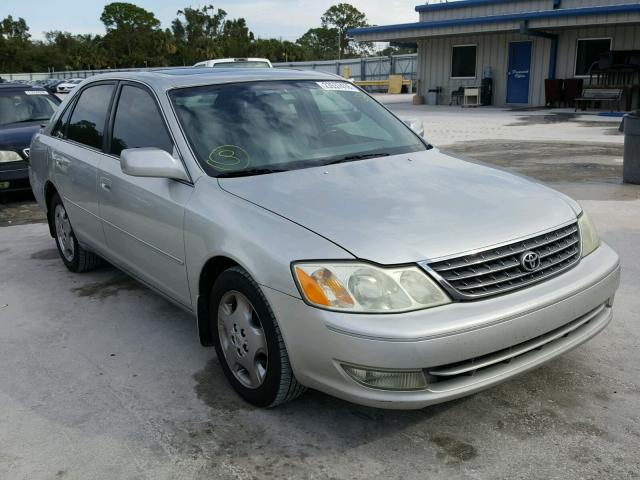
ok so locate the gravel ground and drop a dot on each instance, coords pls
(103, 379)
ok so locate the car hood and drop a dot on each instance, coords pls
(407, 208)
(17, 136)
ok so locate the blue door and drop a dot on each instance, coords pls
(519, 72)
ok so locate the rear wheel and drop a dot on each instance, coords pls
(75, 257)
(248, 341)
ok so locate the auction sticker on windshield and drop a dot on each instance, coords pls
(338, 86)
(36, 92)
(228, 157)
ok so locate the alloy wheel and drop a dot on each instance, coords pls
(242, 339)
(64, 233)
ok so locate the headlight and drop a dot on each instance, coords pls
(360, 287)
(9, 156)
(588, 235)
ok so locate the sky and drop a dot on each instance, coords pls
(286, 19)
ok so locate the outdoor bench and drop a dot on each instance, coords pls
(599, 95)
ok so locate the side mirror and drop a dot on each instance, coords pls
(151, 162)
(415, 125)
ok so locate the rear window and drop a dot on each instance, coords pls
(89, 116)
(61, 127)
(26, 106)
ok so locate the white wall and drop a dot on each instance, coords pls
(511, 7)
(624, 37)
(493, 50)
(486, 10)
(434, 58)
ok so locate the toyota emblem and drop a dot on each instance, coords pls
(530, 261)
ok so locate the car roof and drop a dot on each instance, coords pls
(20, 86)
(165, 79)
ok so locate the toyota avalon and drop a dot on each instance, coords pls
(317, 239)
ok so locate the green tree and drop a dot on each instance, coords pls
(134, 37)
(319, 43)
(198, 34)
(397, 50)
(14, 44)
(278, 50)
(237, 38)
(178, 33)
(343, 17)
(14, 29)
(74, 52)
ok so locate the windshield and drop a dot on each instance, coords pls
(241, 64)
(261, 126)
(26, 106)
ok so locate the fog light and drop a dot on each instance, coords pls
(387, 379)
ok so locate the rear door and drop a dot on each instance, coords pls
(76, 153)
(143, 217)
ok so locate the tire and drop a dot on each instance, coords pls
(245, 335)
(75, 257)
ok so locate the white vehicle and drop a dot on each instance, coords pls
(68, 85)
(236, 63)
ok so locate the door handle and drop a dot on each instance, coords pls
(105, 184)
(61, 162)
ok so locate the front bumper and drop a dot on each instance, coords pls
(16, 174)
(318, 341)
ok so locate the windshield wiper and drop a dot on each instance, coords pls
(350, 158)
(250, 172)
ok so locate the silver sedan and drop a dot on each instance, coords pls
(318, 240)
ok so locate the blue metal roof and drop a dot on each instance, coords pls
(459, 4)
(508, 17)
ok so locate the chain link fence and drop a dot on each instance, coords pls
(368, 68)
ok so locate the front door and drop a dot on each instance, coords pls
(143, 217)
(519, 72)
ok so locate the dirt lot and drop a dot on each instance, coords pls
(103, 379)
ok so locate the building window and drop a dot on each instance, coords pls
(588, 52)
(463, 61)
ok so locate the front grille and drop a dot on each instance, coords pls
(499, 270)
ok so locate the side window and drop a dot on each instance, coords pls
(588, 52)
(138, 122)
(89, 115)
(463, 61)
(60, 130)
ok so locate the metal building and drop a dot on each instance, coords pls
(521, 43)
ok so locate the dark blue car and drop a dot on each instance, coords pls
(22, 110)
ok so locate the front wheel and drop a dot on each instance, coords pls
(248, 341)
(75, 257)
